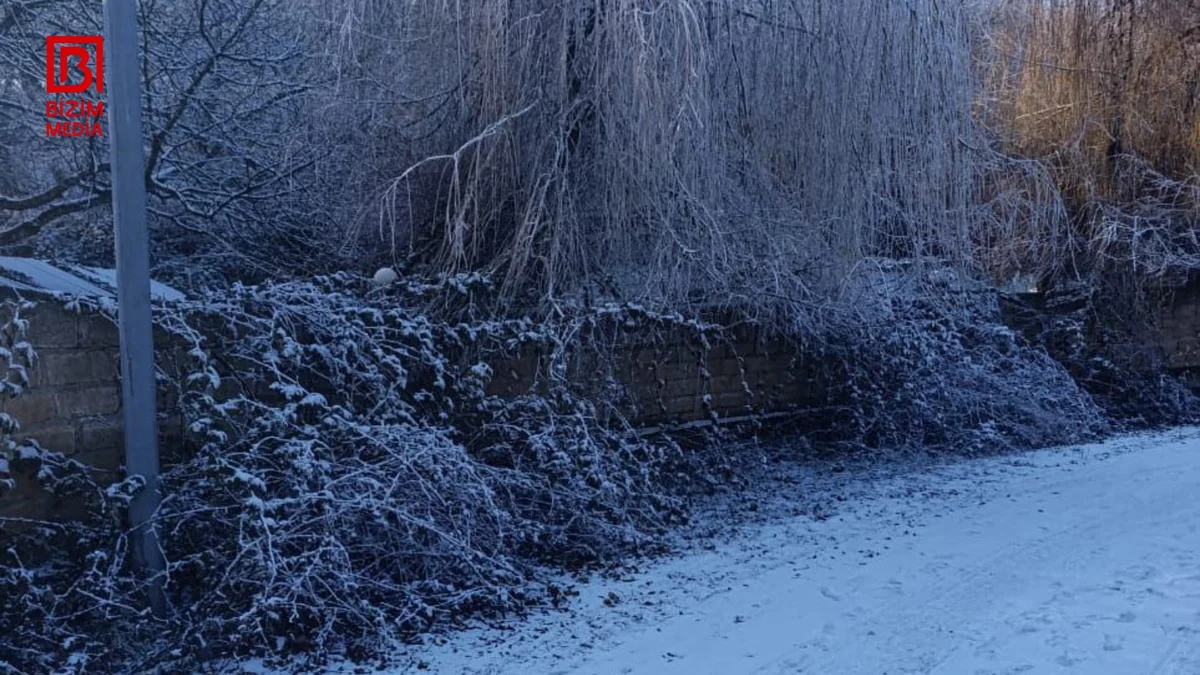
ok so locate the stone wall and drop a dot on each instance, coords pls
(73, 402)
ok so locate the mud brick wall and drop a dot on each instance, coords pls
(677, 378)
(1179, 328)
(73, 402)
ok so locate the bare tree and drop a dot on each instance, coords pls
(229, 167)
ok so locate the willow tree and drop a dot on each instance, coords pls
(678, 151)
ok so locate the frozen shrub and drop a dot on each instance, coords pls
(345, 482)
(950, 375)
(1105, 343)
(342, 482)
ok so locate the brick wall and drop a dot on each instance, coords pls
(676, 377)
(1179, 326)
(72, 404)
(1177, 322)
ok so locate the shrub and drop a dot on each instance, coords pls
(1115, 360)
(946, 373)
(343, 482)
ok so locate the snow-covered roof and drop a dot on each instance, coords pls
(31, 274)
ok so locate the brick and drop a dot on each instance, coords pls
(726, 383)
(681, 388)
(97, 331)
(55, 437)
(756, 363)
(100, 434)
(682, 354)
(58, 368)
(741, 348)
(647, 357)
(52, 326)
(731, 366)
(672, 372)
(26, 486)
(644, 381)
(663, 379)
(642, 397)
(730, 399)
(764, 380)
(103, 400)
(31, 408)
(682, 404)
(719, 351)
(37, 504)
(104, 460)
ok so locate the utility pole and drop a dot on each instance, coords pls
(133, 284)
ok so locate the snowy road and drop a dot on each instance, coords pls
(1092, 569)
(1072, 561)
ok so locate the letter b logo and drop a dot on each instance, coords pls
(73, 50)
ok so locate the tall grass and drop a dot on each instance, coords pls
(1093, 80)
(1105, 95)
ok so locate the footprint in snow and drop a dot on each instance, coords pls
(1140, 572)
(827, 592)
(1066, 661)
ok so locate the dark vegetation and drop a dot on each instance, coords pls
(858, 177)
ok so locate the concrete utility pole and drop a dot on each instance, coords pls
(133, 282)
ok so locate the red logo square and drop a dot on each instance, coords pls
(74, 48)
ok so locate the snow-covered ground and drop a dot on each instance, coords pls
(1083, 560)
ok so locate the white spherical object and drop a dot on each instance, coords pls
(384, 276)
